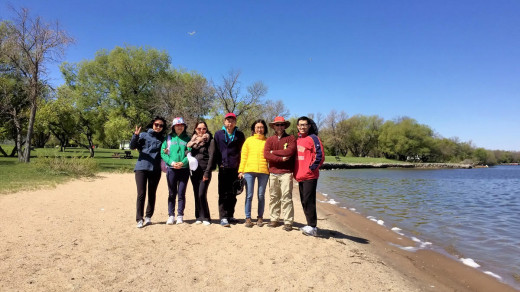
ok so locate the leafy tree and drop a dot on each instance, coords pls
(183, 94)
(14, 106)
(116, 130)
(59, 116)
(405, 139)
(117, 83)
(362, 134)
(28, 44)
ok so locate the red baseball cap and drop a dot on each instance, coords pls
(231, 115)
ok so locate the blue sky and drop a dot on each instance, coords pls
(452, 65)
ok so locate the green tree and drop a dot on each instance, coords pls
(362, 133)
(14, 107)
(405, 139)
(28, 44)
(59, 116)
(119, 83)
(183, 94)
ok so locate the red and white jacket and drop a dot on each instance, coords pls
(309, 157)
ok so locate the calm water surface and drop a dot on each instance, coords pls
(468, 213)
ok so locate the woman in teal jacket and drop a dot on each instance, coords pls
(173, 152)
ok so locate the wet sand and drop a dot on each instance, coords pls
(81, 235)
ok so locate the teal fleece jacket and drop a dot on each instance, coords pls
(178, 149)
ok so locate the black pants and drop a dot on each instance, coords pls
(308, 198)
(200, 192)
(226, 196)
(142, 177)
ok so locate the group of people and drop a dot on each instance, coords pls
(277, 160)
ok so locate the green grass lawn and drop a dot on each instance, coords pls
(15, 176)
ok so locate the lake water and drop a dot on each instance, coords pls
(471, 214)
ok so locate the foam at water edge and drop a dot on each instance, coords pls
(396, 230)
(333, 202)
(493, 274)
(380, 222)
(469, 262)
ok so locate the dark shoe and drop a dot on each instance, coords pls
(248, 223)
(260, 222)
(287, 227)
(233, 220)
(273, 224)
(224, 222)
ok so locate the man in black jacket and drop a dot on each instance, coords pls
(228, 144)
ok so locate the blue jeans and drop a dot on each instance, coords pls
(250, 185)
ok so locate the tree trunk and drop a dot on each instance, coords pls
(15, 150)
(18, 142)
(34, 105)
(3, 152)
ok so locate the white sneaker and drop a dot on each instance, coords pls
(140, 224)
(198, 222)
(147, 221)
(170, 220)
(179, 220)
(310, 231)
(206, 223)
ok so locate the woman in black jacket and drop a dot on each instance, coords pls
(148, 167)
(202, 148)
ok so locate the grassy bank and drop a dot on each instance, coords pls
(49, 167)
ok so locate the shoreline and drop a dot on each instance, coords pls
(340, 165)
(81, 235)
(423, 264)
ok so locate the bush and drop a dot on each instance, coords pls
(74, 166)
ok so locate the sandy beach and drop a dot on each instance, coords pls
(81, 235)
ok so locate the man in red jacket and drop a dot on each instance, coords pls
(279, 151)
(310, 156)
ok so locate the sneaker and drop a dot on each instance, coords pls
(287, 227)
(179, 220)
(147, 221)
(206, 223)
(224, 222)
(273, 224)
(233, 220)
(310, 231)
(140, 223)
(198, 222)
(248, 223)
(170, 220)
(260, 222)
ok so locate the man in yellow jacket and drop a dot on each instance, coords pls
(253, 165)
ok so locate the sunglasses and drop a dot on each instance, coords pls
(157, 125)
(279, 125)
(201, 129)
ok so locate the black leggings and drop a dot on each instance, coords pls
(200, 192)
(142, 177)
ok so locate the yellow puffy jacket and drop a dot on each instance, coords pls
(252, 157)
